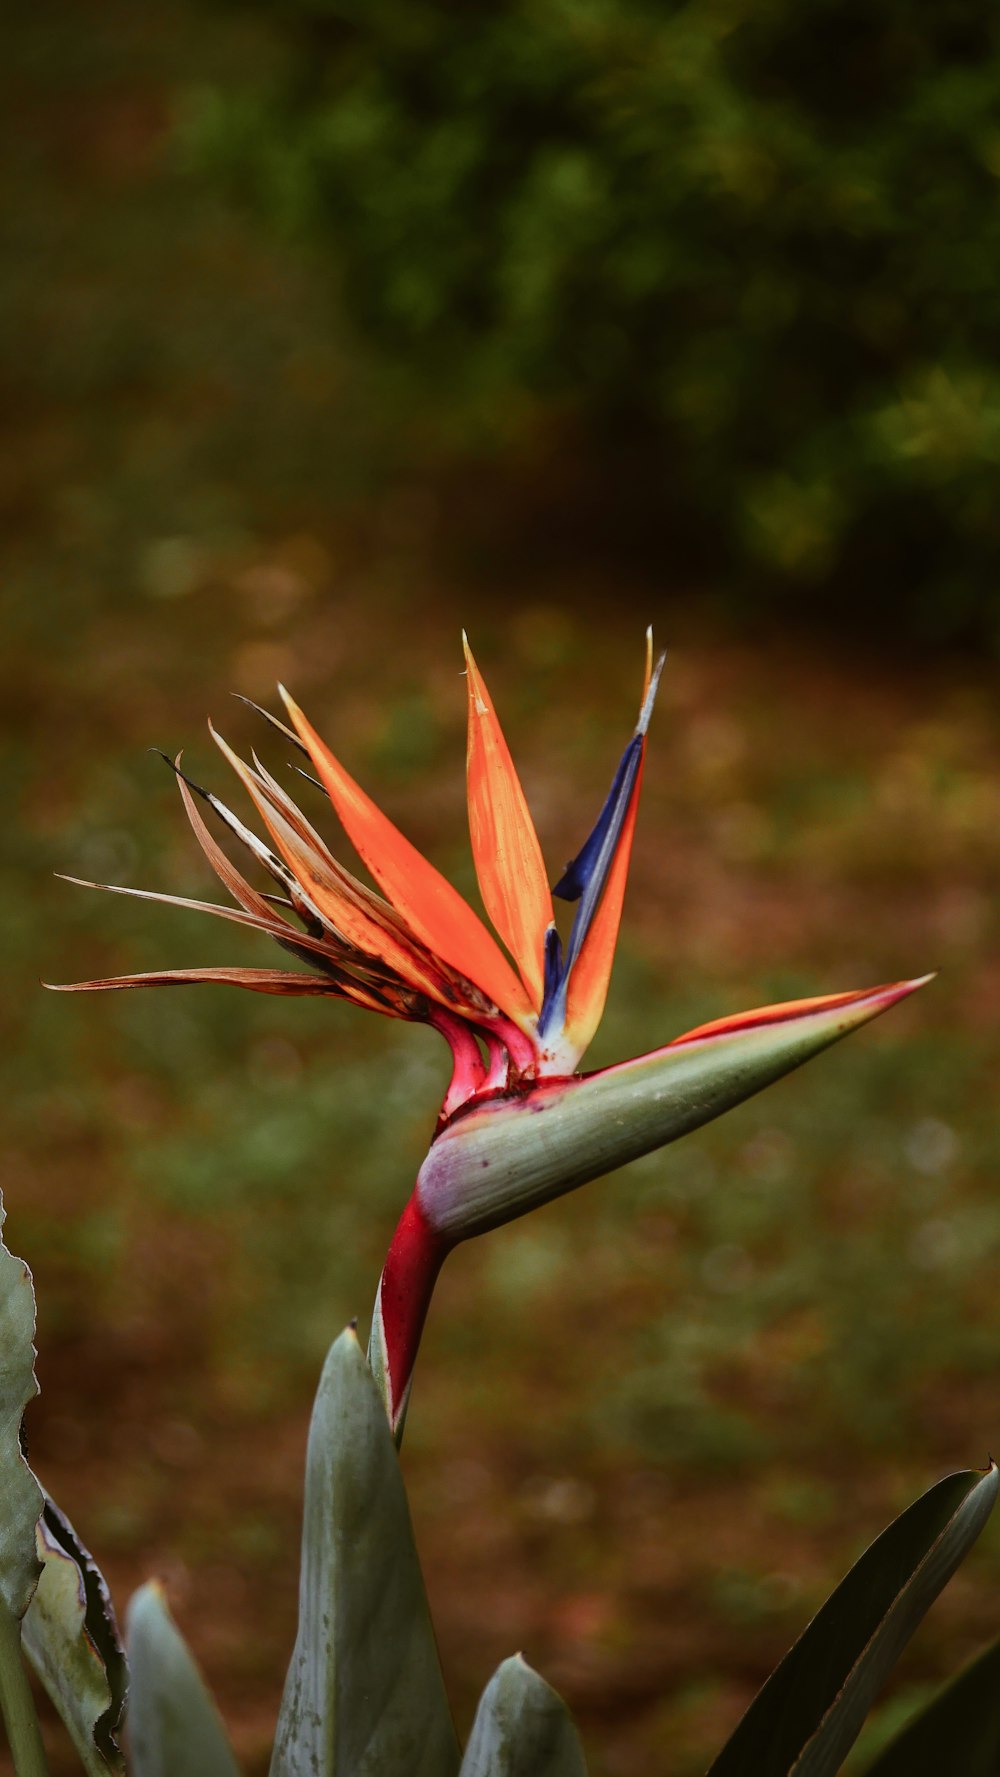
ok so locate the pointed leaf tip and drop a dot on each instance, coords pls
(522, 1729)
(364, 1692)
(173, 1723)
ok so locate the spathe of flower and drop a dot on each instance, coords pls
(519, 1125)
(506, 1153)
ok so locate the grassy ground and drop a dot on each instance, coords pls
(653, 1424)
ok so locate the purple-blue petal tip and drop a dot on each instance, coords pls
(584, 877)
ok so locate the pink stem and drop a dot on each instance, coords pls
(519, 1046)
(468, 1071)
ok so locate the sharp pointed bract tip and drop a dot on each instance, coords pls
(900, 990)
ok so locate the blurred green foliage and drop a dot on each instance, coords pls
(759, 241)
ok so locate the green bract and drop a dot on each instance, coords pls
(497, 1161)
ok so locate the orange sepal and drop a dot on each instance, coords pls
(505, 846)
(434, 910)
(590, 976)
(354, 917)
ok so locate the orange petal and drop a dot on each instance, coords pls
(355, 918)
(590, 976)
(505, 845)
(433, 909)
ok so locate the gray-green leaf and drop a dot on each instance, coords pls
(959, 1730)
(70, 1636)
(364, 1695)
(522, 1729)
(808, 1715)
(21, 1494)
(174, 1728)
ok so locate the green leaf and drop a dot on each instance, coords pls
(70, 1635)
(364, 1695)
(811, 1709)
(174, 1728)
(20, 1492)
(522, 1729)
(958, 1730)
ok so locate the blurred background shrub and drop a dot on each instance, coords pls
(740, 257)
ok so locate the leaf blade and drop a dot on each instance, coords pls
(173, 1723)
(364, 1695)
(22, 1496)
(71, 1637)
(962, 1721)
(522, 1729)
(811, 1709)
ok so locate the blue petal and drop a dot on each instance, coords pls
(554, 995)
(584, 879)
(553, 963)
(579, 873)
(601, 848)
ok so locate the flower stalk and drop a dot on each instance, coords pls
(416, 1253)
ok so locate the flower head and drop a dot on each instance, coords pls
(418, 950)
(519, 1125)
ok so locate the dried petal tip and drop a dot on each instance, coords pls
(273, 721)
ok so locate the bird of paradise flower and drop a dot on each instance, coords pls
(519, 1124)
